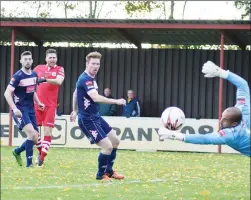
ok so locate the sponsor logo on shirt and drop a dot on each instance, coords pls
(89, 83)
(30, 89)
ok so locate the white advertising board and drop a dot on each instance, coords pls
(135, 134)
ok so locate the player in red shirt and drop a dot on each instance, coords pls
(50, 76)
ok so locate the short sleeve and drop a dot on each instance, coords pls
(15, 80)
(60, 72)
(88, 85)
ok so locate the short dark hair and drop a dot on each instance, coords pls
(26, 53)
(50, 51)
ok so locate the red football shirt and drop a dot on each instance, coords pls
(47, 92)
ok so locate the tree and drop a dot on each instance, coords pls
(43, 8)
(14, 13)
(184, 8)
(133, 8)
(244, 5)
(95, 9)
(67, 6)
(172, 10)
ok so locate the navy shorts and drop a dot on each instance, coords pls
(28, 117)
(95, 128)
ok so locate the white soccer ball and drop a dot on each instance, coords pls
(173, 118)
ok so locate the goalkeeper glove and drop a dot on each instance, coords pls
(212, 70)
(41, 80)
(171, 135)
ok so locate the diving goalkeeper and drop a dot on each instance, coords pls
(235, 121)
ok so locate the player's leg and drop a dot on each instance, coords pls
(48, 123)
(103, 158)
(111, 134)
(18, 150)
(32, 135)
(39, 119)
(25, 124)
(96, 135)
(115, 143)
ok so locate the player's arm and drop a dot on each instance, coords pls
(211, 138)
(73, 115)
(242, 94)
(211, 70)
(101, 99)
(57, 81)
(74, 101)
(96, 97)
(218, 138)
(8, 94)
(37, 101)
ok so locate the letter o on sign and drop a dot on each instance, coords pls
(77, 136)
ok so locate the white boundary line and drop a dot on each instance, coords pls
(84, 185)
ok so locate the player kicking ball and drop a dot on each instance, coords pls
(86, 105)
(235, 121)
(23, 86)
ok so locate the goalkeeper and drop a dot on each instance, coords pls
(235, 121)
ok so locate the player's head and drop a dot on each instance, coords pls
(51, 57)
(231, 117)
(130, 94)
(107, 92)
(93, 62)
(26, 59)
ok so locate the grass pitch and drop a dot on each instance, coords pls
(69, 174)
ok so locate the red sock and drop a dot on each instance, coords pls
(45, 146)
(39, 144)
(39, 149)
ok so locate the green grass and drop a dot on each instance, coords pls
(180, 176)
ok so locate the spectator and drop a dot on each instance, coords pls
(107, 109)
(132, 108)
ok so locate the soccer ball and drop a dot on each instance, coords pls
(173, 118)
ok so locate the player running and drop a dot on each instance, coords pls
(51, 76)
(235, 121)
(23, 86)
(86, 105)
